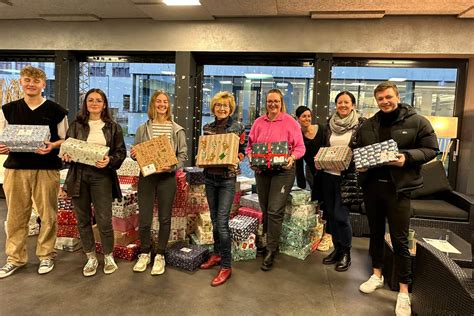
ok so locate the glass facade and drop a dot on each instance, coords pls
(129, 87)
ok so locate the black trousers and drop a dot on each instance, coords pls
(160, 186)
(382, 201)
(273, 188)
(96, 188)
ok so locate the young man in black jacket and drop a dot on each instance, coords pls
(387, 188)
(32, 176)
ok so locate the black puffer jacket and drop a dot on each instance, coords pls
(114, 140)
(415, 138)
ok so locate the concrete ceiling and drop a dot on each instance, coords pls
(96, 10)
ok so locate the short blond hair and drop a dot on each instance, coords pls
(33, 72)
(386, 85)
(223, 96)
(151, 106)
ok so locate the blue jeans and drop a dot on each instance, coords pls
(220, 195)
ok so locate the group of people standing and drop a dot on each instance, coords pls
(386, 189)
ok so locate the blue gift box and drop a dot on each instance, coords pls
(187, 257)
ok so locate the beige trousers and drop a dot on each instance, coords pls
(22, 188)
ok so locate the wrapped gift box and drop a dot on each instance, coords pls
(124, 211)
(191, 223)
(245, 249)
(250, 201)
(129, 252)
(181, 182)
(155, 154)
(247, 211)
(294, 236)
(83, 152)
(204, 221)
(68, 244)
(333, 158)
(178, 222)
(300, 197)
(376, 154)
(177, 234)
(270, 155)
(316, 235)
(304, 211)
(219, 150)
(194, 175)
(178, 212)
(197, 188)
(120, 238)
(204, 237)
(68, 231)
(242, 226)
(125, 224)
(237, 197)
(129, 197)
(187, 257)
(299, 253)
(65, 204)
(130, 180)
(25, 138)
(195, 241)
(33, 229)
(66, 218)
(129, 168)
(302, 222)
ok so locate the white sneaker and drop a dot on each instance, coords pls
(91, 266)
(7, 270)
(158, 265)
(109, 264)
(403, 307)
(46, 265)
(143, 261)
(373, 283)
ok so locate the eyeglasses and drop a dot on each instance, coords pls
(222, 105)
(273, 101)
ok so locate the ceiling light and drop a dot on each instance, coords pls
(282, 84)
(397, 79)
(168, 72)
(70, 17)
(258, 76)
(375, 14)
(181, 2)
(225, 82)
(358, 84)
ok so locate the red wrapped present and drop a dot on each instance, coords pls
(125, 224)
(246, 211)
(68, 231)
(181, 182)
(237, 197)
(128, 179)
(66, 218)
(178, 212)
(129, 252)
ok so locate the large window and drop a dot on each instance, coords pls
(430, 90)
(10, 88)
(129, 87)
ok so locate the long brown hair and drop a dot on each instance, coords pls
(105, 116)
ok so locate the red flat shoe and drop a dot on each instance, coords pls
(212, 261)
(223, 275)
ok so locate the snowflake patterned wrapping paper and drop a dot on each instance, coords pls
(242, 226)
(129, 167)
(187, 257)
(194, 175)
(299, 253)
(25, 138)
(155, 154)
(244, 249)
(83, 152)
(66, 218)
(376, 154)
(195, 241)
(220, 150)
(300, 197)
(267, 156)
(333, 158)
(68, 231)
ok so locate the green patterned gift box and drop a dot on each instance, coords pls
(300, 197)
(294, 236)
(301, 210)
(270, 155)
(300, 222)
(244, 249)
(299, 253)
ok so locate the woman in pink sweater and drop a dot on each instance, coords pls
(274, 185)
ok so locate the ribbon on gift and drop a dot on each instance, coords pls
(269, 155)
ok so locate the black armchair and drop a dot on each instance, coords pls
(440, 286)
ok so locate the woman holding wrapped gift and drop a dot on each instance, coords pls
(96, 184)
(274, 184)
(341, 131)
(220, 186)
(160, 185)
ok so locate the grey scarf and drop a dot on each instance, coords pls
(340, 125)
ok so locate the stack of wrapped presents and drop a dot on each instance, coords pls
(249, 206)
(298, 225)
(243, 231)
(196, 200)
(376, 154)
(67, 222)
(129, 172)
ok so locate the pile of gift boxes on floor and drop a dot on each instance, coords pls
(243, 231)
(68, 238)
(299, 223)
